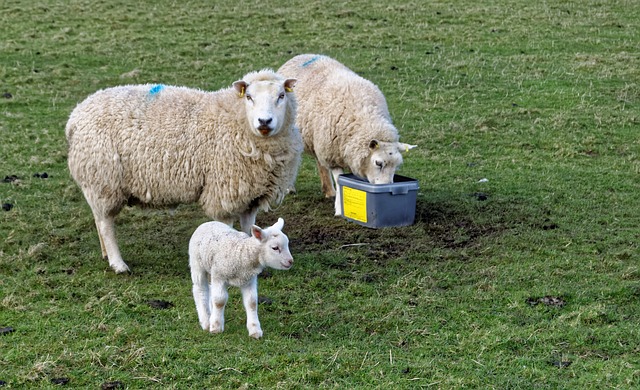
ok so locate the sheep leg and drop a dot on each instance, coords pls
(227, 221)
(250, 302)
(337, 172)
(218, 296)
(102, 248)
(107, 233)
(248, 219)
(325, 181)
(200, 290)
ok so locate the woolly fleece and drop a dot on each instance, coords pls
(339, 112)
(162, 146)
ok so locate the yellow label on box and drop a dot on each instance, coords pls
(354, 204)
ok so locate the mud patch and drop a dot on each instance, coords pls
(547, 301)
(561, 363)
(442, 221)
(10, 179)
(112, 385)
(6, 330)
(159, 304)
(60, 381)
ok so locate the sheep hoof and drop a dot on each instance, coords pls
(121, 269)
(256, 335)
(216, 327)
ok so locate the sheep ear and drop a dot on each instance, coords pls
(403, 148)
(279, 225)
(374, 144)
(289, 84)
(240, 86)
(257, 232)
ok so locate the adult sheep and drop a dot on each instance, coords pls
(235, 151)
(344, 121)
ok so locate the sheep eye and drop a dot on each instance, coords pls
(249, 98)
(276, 248)
(281, 97)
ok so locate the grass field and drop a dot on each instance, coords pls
(528, 280)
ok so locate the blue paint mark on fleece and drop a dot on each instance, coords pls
(156, 89)
(311, 61)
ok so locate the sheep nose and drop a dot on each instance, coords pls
(265, 122)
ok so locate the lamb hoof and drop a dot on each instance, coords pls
(256, 335)
(215, 328)
(121, 268)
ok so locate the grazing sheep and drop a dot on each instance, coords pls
(234, 151)
(220, 256)
(344, 121)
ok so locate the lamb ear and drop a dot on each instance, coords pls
(240, 86)
(374, 144)
(403, 148)
(257, 232)
(289, 84)
(279, 225)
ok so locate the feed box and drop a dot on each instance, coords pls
(378, 205)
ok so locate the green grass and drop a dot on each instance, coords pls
(540, 98)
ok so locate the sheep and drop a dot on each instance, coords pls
(220, 256)
(234, 151)
(344, 121)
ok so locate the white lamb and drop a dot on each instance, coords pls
(220, 256)
(344, 121)
(234, 151)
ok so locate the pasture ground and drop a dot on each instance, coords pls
(528, 280)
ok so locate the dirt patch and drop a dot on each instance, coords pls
(60, 381)
(112, 385)
(159, 304)
(448, 222)
(10, 179)
(6, 330)
(436, 226)
(547, 301)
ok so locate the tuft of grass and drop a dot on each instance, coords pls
(527, 279)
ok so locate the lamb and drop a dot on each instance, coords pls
(224, 256)
(344, 121)
(234, 151)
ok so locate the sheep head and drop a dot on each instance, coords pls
(384, 159)
(266, 96)
(274, 246)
